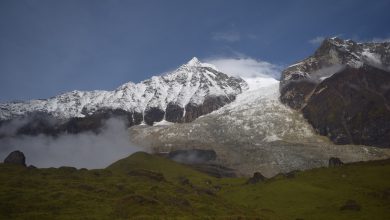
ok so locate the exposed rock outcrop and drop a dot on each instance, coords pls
(352, 106)
(16, 157)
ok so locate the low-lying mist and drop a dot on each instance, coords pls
(83, 150)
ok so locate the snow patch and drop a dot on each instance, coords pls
(271, 138)
(163, 123)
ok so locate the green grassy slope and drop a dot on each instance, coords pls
(148, 186)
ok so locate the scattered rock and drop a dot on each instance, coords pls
(350, 205)
(257, 177)
(335, 162)
(16, 157)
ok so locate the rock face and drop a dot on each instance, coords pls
(16, 157)
(192, 90)
(335, 162)
(352, 106)
(343, 90)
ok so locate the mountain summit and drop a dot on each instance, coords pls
(332, 56)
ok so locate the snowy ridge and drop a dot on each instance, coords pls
(190, 83)
(335, 54)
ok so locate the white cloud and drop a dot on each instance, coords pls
(317, 40)
(85, 149)
(246, 67)
(229, 36)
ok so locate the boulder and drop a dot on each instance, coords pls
(257, 177)
(335, 162)
(16, 157)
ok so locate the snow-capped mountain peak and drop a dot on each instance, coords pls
(194, 62)
(181, 95)
(335, 54)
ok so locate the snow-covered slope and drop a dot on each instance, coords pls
(191, 83)
(333, 55)
(299, 80)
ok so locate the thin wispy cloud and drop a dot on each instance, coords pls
(228, 36)
(317, 40)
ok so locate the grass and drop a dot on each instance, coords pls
(145, 186)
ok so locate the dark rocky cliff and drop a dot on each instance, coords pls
(343, 90)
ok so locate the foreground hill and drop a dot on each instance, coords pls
(144, 185)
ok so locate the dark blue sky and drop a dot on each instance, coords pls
(48, 47)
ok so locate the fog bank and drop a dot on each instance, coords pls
(84, 150)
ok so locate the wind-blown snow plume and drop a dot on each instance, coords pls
(246, 67)
(256, 73)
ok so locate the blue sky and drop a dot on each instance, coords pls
(49, 46)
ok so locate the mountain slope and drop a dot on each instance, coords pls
(343, 90)
(334, 54)
(192, 90)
